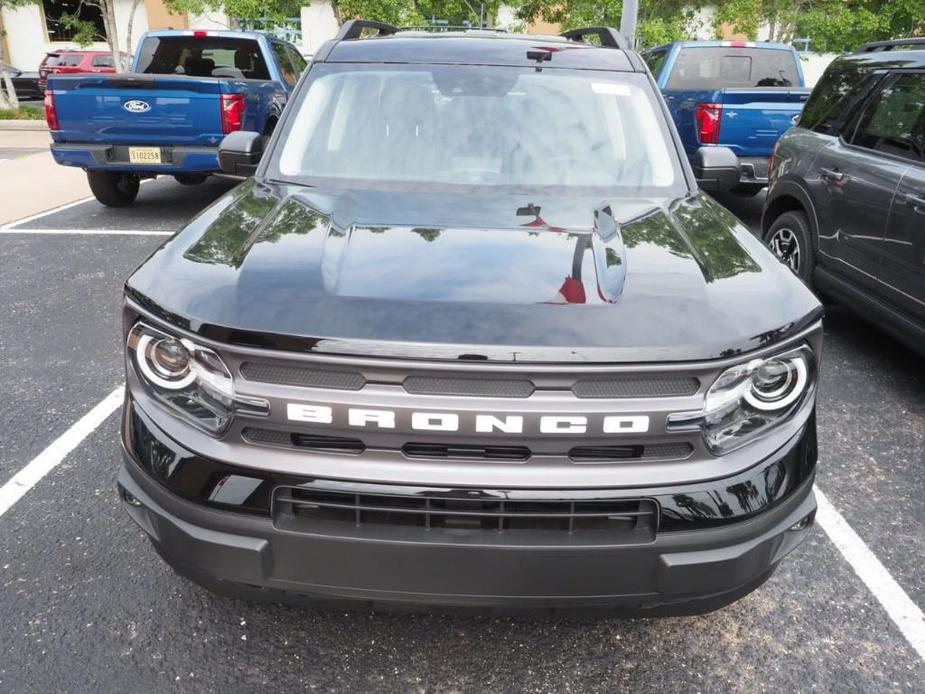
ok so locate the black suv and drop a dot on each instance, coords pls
(846, 202)
(472, 336)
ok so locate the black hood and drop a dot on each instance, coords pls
(539, 278)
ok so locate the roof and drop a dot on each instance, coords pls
(480, 48)
(220, 33)
(893, 59)
(725, 44)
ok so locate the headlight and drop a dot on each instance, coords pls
(190, 380)
(749, 399)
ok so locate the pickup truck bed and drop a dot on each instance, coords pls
(188, 89)
(702, 83)
(184, 117)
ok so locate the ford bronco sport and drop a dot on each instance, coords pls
(472, 336)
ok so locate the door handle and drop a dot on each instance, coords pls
(916, 202)
(832, 175)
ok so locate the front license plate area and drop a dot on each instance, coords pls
(144, 155)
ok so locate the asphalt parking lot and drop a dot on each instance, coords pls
(86, 605)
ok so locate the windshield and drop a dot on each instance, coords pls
(442, 127)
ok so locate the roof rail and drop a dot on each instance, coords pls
(437, 28)
(877, 46)
(609, 37)
(353, 29)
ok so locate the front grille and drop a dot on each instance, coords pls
(474, 452)
(590, 387)
(465, 452)
(654, 387)
(478, 514)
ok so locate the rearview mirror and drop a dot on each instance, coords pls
(240, 152)
(716, 169)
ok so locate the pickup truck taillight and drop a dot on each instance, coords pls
(232, 112)
(51, 113)
(709, 118)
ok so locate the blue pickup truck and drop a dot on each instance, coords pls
(738, 94)
(186, 91)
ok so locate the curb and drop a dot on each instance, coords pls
(23, 125)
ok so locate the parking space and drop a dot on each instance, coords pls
(86, 605)
(163, 205)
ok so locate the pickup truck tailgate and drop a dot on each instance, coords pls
(138, 109)
(754, 119)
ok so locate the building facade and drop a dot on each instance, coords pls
(33, 30)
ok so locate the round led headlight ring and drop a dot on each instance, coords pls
(165, 362)
(777, 383)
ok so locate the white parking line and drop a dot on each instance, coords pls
(905, 613)
(898, 605)
(87, 232)
(59, 208)
(48, 460)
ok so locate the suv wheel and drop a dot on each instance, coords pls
(112, 188)
(789, 239)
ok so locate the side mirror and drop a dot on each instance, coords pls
(240, 152)
(716, 169)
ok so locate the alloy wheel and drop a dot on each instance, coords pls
(786, 246)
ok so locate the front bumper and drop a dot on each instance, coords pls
(698, 558)
(115, 158)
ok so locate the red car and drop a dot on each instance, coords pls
(74, 62)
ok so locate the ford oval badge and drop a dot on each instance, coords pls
(136, 106)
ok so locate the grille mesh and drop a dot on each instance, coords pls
(654, 387)
(439, 385)
(300, 376)
(668, 450)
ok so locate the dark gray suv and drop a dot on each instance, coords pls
(846, 203)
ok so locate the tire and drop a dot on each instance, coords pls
(113, 188)
(747, 190)
(191, 179)
(790, 239)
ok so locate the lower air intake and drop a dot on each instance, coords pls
(483, 515)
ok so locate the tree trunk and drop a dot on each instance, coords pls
(108, 10)
(8, 98)
(131, 22)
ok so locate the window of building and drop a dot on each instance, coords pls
(57, 10)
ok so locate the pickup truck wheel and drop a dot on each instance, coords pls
(789, 238)
(190, 179)
(113, 188)
(747, 190)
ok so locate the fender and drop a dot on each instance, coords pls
(793, 188)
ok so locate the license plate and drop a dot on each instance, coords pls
(144, 155)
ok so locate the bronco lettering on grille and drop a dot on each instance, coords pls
(483, 423)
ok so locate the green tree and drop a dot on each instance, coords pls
(831, 25)
(659, 22)
(245, 12)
